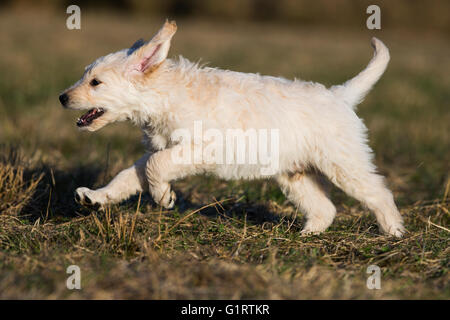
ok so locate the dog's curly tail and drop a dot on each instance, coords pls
(354, 90)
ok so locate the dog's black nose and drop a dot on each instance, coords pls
(64, 98)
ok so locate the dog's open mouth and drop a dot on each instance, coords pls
(87, 118)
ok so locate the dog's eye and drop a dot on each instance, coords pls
(94, 82)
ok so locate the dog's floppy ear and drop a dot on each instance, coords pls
(147, 56)
(135, 46)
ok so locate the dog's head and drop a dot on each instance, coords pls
(109, 88)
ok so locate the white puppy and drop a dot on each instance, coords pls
(317, 128)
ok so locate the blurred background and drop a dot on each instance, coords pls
(343, 13)
(407, 114)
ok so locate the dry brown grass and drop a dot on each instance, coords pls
(16, 190)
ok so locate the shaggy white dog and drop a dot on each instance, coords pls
(317, 128)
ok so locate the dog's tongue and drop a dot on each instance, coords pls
(89, 116)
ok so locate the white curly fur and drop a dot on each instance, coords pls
(318, 128)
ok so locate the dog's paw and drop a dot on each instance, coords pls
(396, 230)
(311, 231)
(316, 226)
(168, 200)
(89, 198)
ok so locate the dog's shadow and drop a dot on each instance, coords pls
(53, 197)
(225, 207)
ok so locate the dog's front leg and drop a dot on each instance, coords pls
(127, 183)
(163, 167)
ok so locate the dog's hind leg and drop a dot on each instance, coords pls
(305, 192)
(127, 183)
(359, 181)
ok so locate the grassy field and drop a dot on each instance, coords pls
(224, 239)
